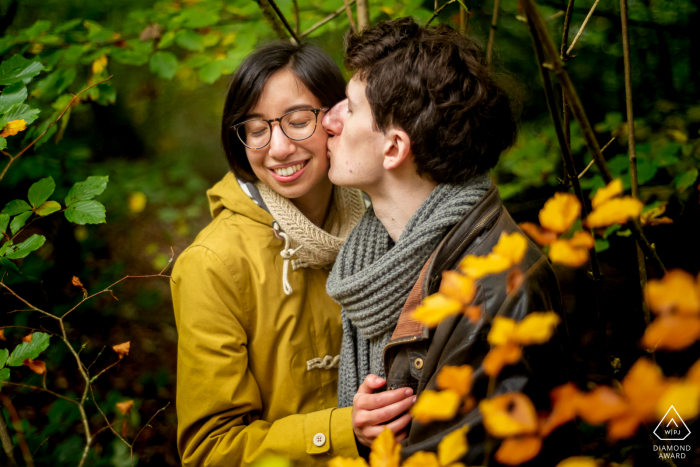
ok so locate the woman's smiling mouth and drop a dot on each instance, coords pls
(290, 172)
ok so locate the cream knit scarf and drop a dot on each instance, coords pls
(307, 245)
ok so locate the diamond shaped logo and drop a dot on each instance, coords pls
(672, 427)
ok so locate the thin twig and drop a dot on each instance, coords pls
(565, 34)
(284, 21)
(325, 20)
(585, 21)
(7, 441)
(437, 12)
(348, 11)
(14, 158)
(593, 161)
(296, 17)
(148, 423)
(362, 15)
(492, 31)
(17, 424)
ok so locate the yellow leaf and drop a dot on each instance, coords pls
(453, 447)
(560, 212)
(511, 246)
(562, 252)
(386, 452)
(647, 216)
(623, 427)
(601, 404)
(125, 407)
(604, 194)
(675, 292)
(13, 127)
(500, 356)
(502, 331)
(435, 406)
(536, 328)
(456, 378)
(693, 374)
(457, 286)
(684, 396)
(347, 462)
(435, 308)
(99, 65)
(671, 333)
(477, 267)
(516, 451)
(578, 461)
(122, 349)
(137, 202)
(421, 459)
(510, 414)
(387, 10)
(582, 239)
(539, 235)
(615, 211)
(565, 399)
(643, 386)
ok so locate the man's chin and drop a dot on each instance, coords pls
(338, 180)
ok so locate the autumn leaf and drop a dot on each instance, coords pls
(606, 193)
(27, 338)
(76, 282)
(2, 335)
(435, 308)
(479, 266)
(458, 287)
(623, 427)
(502, 330)
(347, 462)
(13, 127)
(453, 447)
(538, 234)
(578, 461)
(419, 459)
(560, 212)
(536, 328)
(601, 405)
(514, 280)
(456, 378)
(643, 386)
(651, 216)
(684, 396)
(671, 333)
(122, 349)
(99, 65)
(435, 406)
(125, 407)
(565, 399)
(36, 366)
(511, 246)
(500, 356)
(675, 292)
(510, 414)
(693, 373)
(473, 313)
(561, 252)
(386, 452)
(516, 451)
(582, 239)
(615, 211)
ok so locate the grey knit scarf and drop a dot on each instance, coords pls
(371, 279)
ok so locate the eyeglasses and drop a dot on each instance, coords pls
(296, 125)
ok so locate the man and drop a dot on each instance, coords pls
(423, 123)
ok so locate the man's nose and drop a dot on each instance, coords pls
(280, 145)
(333, 121)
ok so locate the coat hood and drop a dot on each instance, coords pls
(228, 194)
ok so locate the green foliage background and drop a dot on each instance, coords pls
(153, 129)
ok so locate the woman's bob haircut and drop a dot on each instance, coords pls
(312, 66)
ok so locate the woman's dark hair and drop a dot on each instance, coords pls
(434, 83)
(312, 66)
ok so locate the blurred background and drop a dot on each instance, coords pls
(154, 129)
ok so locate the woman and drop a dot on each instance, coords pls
(259, 338)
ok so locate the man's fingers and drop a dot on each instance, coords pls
(383, 399)
(401, 436)
(371, 383)
(384, 414)
(399, 424)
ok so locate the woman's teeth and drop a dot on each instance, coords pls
(288, 171)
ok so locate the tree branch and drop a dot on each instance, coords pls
(284, 21)
(437, 12)
(348, 11)
(325, 20)
(362, 15)
(585, 21)
(492, 32)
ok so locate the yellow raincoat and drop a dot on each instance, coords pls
(253, 378)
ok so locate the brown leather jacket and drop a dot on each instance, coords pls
(415, 354)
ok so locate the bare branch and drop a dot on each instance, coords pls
(492, 31)
(284, 21)
(325, 20)
(437, 12)
(585, 21)
(351, 20)
(296, 17)
(362, 15)
(17, 423)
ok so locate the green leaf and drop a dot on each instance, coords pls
(4, 374)
(29, 350)
(18, 69)
(41, 190)
(20, 112)
(164, 64)
(83, 191)
(9, 264)
(13, 94)
(3, 143)
(23, 249)
(4, 221)
(129, 57)
(19, 221)
(16, 207)
(67, 26)
(4, 353)
(166, 40)
(211, 71)
(601, 245)
(198, 18)
(686, 179)
(5, 246)
(48, 208)
(86, 212)
(190, 40)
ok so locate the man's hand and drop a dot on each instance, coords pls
(370, 410)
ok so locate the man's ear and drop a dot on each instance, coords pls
(397, 148)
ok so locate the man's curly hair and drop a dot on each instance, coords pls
(434, 83)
